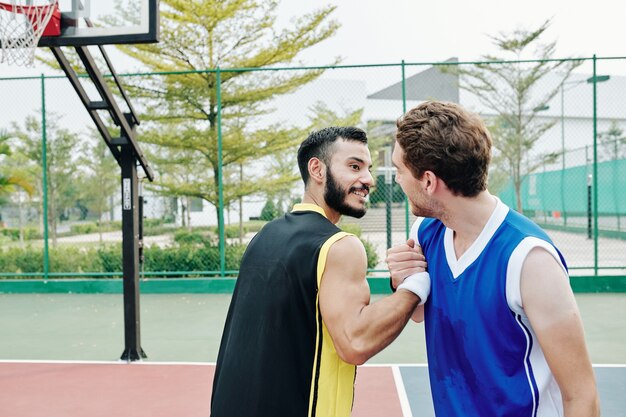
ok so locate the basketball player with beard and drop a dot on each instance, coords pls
(300, 319)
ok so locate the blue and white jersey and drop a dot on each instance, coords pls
(483, 356)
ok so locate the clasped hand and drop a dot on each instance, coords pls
(403, 260)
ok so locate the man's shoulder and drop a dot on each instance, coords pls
(344, 243)
(524, 226)
(425, 228)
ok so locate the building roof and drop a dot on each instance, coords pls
(435, 83)
(432, 83)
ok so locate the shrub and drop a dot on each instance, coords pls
(353, 228)
(269, 211)
(254, 226)
(186, 237)
(13, 234)
(30, 233)
(147, 223)
(231, 231)
(192, 258)
(370, 249)
(83, 228)
(74, 259)
(109, 259)
(61, 259)
(21, 260)
(201, 255)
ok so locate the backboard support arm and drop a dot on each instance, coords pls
(128, 154)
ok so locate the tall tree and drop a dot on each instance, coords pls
(62, 152)
(512, 92)
(612, 144)
(207, 34)
(101, 180)
(11, 176)
(175, 166)
(17, 182)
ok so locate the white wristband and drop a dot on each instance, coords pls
(418, 284)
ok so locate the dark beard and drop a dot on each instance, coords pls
(335, 197)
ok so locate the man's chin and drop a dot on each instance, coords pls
(357, 213)
(415, 210)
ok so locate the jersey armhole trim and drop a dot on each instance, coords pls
(321, 266)
(321, 260)
(514, 270)
(415, 229)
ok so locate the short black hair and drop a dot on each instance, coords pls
(318, 144)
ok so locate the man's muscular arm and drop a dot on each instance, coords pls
(359, 329)
(549, 303)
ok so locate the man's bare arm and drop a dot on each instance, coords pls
(551, 308)
(359, 329)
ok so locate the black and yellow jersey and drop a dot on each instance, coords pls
(276, 358)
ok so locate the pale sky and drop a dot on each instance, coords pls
(374, 31)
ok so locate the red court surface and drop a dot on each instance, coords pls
(88, 389)
(120, 389)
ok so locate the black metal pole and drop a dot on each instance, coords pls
(140, 208)
(130, 255)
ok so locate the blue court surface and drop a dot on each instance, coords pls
(611, 380)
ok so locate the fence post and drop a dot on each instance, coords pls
(220, 179)
(589, 206)
(44, 165)
(595, 168)
(563, 208)
(388, 193)
(407, 226)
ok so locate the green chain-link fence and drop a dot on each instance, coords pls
(560, 157)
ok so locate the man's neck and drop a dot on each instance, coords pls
(467, 217)
(318, 200)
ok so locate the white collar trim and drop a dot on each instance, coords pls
(458, 266)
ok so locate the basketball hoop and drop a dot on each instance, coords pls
(22, 24)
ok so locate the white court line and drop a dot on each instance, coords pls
(609, 365)
(402, 365)
(368, 365)
(118, 362)
(404, 400)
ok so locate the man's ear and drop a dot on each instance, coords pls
(430, 181)
(317, 170)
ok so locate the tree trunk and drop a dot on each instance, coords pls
(188, 199)
(518, 195)
(20, 217)
(241, 207)
(100, 213)
(52, 221)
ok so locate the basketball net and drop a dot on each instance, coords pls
(22, 23)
